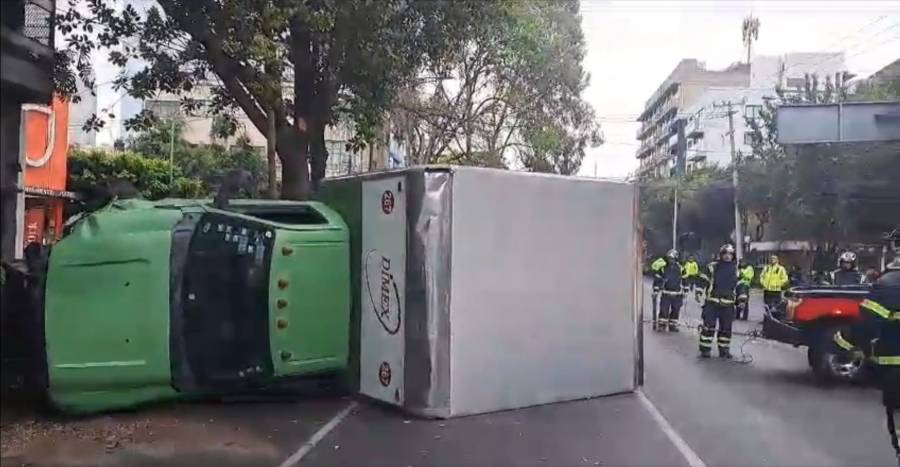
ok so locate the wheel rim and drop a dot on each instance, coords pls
(844, 367)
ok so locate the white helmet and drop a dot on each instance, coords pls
(726, 248)
(847, 257)
(673, 254)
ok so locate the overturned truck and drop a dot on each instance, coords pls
(444, 291)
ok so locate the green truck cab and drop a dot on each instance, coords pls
(154, 300)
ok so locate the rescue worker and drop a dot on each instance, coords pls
(720, 281)
(691, 273)
(847, 272)
(879, 330)
(773, 279)
(745, 273)
(656, 268)
(672, 294)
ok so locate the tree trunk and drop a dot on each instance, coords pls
(271, 155)
(318, 152)
(293, 151)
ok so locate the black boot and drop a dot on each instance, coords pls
(725, 353)
(704, 353)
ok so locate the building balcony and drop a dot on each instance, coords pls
(661, 101)
(27, 34)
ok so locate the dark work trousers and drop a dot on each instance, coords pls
(743, 290)
(669, 309)
(713, 314)
(889, 381)
(771, 299)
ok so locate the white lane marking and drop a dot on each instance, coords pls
(318, 436)
(689, 455)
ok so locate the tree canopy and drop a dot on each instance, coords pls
(304, 64)
(511, 94)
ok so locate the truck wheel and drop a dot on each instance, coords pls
(833, 364)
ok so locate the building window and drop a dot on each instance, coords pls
(749, 138)
(752, 111)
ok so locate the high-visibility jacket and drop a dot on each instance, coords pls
(773, 278)
(658, 265)
(691, 269)
(746, 275)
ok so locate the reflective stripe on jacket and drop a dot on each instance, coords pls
(879, 325)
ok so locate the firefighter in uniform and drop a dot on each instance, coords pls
(721, 281)
(847, 272)
(656, 268)
(773, 279)
(745, 273)
(878, 334)
(672, 294)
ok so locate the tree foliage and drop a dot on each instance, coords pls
(826, 193)
(510, 94)
(150, 177)
(306, 64)
(207, 163)
(194, 171)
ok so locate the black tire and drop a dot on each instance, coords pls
(830, 363)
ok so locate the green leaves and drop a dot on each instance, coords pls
(510, 94)
(196, 172)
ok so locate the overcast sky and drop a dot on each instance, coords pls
(633, 45)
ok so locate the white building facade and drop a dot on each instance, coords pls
(706, 119)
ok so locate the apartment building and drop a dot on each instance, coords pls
(684, 86)
(692, 92)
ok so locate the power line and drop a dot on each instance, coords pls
(858, 42)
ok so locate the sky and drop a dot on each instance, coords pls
(633, 45)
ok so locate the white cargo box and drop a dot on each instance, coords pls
(480, 290)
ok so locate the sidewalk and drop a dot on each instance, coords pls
(183, 434)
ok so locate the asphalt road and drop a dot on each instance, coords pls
(770, 412)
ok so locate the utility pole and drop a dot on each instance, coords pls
(738, 235)
(680, 162)
(172, 152)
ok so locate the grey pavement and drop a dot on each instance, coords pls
(609, 431)
(770, 412)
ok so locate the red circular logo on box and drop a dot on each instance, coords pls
(384, 374)
(387, 202)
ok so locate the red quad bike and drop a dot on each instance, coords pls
(810, 316)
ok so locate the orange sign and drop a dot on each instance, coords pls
(45, 134)
(46, 137)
